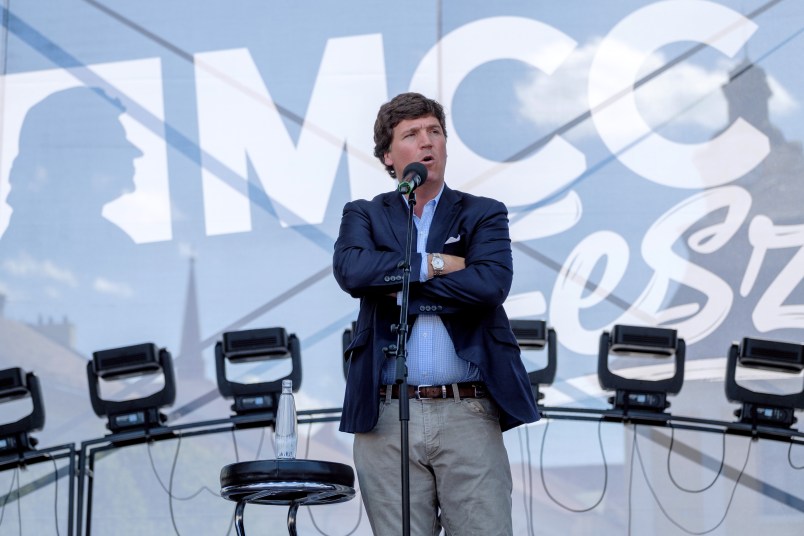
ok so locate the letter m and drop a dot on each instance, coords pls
(240, 124)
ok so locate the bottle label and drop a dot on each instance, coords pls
(285, 447)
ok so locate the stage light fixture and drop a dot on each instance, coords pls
(14, 436)
(535, 335)
(256, 345)
(128, 362)
(640, 394)
(762, 407)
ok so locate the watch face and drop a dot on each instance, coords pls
(438, 263)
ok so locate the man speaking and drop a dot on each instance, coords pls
(467, 383)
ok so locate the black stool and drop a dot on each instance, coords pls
(291, 482)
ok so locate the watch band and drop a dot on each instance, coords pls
(437, 263)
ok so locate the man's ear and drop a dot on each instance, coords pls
(387, 159)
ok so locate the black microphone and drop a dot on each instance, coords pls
(414, 176)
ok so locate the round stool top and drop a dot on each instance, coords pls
(287, 481)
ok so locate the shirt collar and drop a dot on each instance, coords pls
(434, 200)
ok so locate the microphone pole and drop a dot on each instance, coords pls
(418, 174)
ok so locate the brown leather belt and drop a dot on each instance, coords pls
(424, 392)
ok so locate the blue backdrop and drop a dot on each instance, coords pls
(170, 171)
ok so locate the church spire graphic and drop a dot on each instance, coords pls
(190, 362)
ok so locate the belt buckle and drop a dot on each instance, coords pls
(480, 392)
(419, 393)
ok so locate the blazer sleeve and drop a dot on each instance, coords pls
(486, 280)
(368, 259)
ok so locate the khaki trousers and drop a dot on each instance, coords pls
(460, 477)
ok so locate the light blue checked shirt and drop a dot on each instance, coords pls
(431, 355)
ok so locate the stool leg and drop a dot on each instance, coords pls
(239, 529)
(294, 506)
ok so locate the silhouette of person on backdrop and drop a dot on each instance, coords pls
(73, 159)
(60, 257)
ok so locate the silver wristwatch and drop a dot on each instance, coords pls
(437, 262)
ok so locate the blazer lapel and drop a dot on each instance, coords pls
(447, 211)
(397, 217)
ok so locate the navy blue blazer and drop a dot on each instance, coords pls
(368, 252)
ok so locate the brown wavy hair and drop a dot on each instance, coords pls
(403, 106)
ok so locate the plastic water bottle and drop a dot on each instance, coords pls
(285, 428)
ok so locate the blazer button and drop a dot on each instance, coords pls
(386, 278)
(440, 307)
(421, 308)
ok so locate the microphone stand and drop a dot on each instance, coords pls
(401, 353)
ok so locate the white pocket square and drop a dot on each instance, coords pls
(452, 239)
